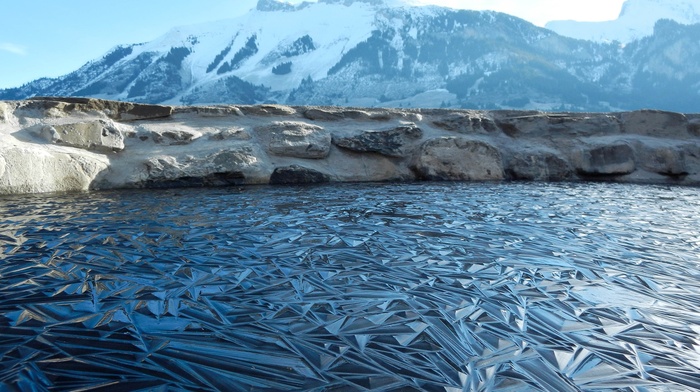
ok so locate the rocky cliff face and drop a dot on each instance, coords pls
(76, 144)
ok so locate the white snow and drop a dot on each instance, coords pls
(636, 20)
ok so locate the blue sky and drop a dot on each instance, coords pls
(51, 37)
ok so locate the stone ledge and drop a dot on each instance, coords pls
(100, 144)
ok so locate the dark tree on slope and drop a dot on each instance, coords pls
(162, 80)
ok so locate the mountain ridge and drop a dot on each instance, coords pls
(636, 20)
(375, 53)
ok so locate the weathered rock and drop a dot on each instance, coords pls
(175, 137)
(316, 114)
(296, 174)
(297, 139)
(214, 111)
(268, 110)
(526, 145)
(227, 167)
(393, 142)
(230, 134)
(97, 136)
(36, 169)
(694, 127)
(124, 111)
(654, 123)
(361, 115)
(691, 157)
(466, 123)
(457, 158)
(668, 161)
(337, 114)
(539, 166)
(516, 124)
(4, 109)
(605, 160)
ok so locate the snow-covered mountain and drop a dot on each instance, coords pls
(388, 53)
(636, 20)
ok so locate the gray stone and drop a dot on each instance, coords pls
(694, 127)
(226, 167)
(394, 142)
(668, 161)
(96, 136)
(296, 174)
(230, 134)
(654, 123)
(211, 111)
(466, 123)
(35, 169)
(518, 124)
(4, 109)
(297, 139)
(124, 111)
(459, 159)
(605, 160)
(539, 166)
(268, 110)
(316, 114)
(381, 115)
(175, 137)
(337, 114)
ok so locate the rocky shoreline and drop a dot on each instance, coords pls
(77, 144)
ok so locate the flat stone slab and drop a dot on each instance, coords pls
(97, 136)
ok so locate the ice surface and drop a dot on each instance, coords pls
(382, 287)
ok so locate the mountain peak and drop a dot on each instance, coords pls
(636, 20)
(274, 5)
(281, 5)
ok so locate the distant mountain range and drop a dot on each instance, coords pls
(385, 53)
(637, 20)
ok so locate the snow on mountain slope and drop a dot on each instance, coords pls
(308, 39)
(389, 53)
(636, 20)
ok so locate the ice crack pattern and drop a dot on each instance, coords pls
(426, 287)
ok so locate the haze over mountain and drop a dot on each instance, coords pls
(387, 53)
(636, 20)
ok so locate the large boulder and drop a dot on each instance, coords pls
(666, 160)
(605, 160)
(228, 167)
(655, 123)
(296, 174)
(36, 169)
(296, 139)
(538, 166)
(99, 136)
(457, 158)
(393, 142)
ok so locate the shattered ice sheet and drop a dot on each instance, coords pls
(437, 287)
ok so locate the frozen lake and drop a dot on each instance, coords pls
(438, 287)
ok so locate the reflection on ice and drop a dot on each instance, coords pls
(396, 287)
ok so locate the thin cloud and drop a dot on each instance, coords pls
(12, 48)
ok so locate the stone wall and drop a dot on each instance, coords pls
(75, 144)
